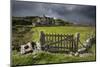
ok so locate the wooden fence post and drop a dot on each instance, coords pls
(58, 43)
(42, 39)
(76, 39)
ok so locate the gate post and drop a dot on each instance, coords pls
(76, 39)
(42, 39)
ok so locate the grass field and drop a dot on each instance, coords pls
(45, 57)
(84, 31)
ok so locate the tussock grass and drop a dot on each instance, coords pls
(47, 58)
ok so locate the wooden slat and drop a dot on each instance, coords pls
(60, 42)
(64, 43)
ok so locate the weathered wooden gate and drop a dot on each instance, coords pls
(58, 42)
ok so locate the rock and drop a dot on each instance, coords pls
(30, 45)
(81, 50)
(71, 54)
(38, 46)
(27, 48)
(85, 54)
(22, 49)
(76, 54)
(87, 43)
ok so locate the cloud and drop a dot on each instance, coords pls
(73, 13)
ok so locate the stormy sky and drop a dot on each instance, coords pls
(68, 12)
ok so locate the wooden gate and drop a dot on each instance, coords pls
(58, 42)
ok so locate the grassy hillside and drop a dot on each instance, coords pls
(46, 57)
(84, 31)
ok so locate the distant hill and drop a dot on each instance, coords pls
(43, 21)
(39, 21)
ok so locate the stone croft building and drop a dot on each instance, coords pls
(44, 21)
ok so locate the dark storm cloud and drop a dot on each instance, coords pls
(73, 13)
